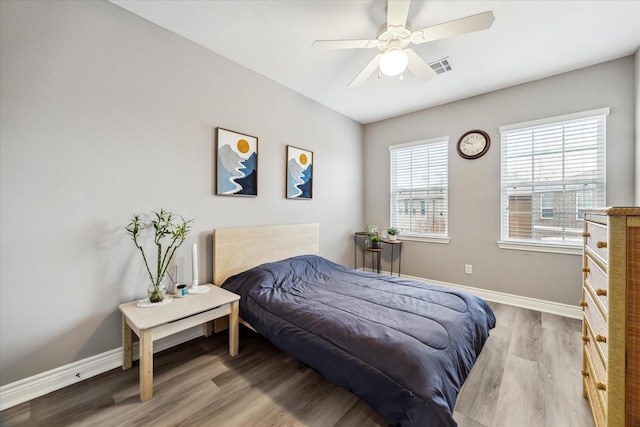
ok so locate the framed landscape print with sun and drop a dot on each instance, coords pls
(237, 163)
(299, 173)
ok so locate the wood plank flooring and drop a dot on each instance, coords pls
(527, 375)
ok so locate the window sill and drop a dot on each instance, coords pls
(431, 239)
(538, 247)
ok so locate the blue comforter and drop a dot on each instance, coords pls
(403, 346)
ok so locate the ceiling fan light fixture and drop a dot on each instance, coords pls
(393, 62)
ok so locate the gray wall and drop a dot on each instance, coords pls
(105, 114)
(637, 80)
(474, 185)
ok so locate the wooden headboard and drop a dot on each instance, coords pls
(239, 249)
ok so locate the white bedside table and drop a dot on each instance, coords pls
(152, 323)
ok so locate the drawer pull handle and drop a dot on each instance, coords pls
(586, 234)
(601, 386)
(585, 373)
(600, 244)
(585, 338)
(601, 338)
(583, 303)
(601, 292)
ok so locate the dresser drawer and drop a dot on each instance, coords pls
(597, 363)
(597, 406)
(596, 240)
(595, 320)
(598, 281)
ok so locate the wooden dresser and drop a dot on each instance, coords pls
(611, 315)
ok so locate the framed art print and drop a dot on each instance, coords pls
(237, 163)
(299, 173)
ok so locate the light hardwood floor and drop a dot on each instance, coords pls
(527, 375)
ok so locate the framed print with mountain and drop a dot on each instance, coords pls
(237, 163)
(299, 173)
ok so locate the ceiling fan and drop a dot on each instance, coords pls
(394, 38)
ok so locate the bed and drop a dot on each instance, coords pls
(403, 346)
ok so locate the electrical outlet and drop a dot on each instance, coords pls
(468, 268)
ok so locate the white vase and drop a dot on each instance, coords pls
(392, 237)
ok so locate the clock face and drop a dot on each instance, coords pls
(473, 144)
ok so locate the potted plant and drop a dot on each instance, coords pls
(375, 241)
(370, 230)
(169, 233)
(393, 232)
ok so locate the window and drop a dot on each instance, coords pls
(419, 188)
(546, 206)
(584, 200)
(552, 169)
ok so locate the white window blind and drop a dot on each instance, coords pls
(419, 188)
(552, 170)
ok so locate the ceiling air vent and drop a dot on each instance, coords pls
(441, 66)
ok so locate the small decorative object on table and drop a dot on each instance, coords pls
(195, 288)
(370, 230)
(145, 303)
(181, 291)
(168, 234)
(375, 241)
(392, 233)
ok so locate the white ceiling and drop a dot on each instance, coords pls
(529, 40)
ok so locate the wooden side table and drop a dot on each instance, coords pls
(152, 323)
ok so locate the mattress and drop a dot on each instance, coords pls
(403, 346)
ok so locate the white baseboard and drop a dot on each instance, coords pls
(38, 385)
(566, 310)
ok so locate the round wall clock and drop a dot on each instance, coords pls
(473, 144)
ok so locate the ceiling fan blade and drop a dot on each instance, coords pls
(479, 22)
(417, 66)
(366, 72)
(345, 44)
(397, 11)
